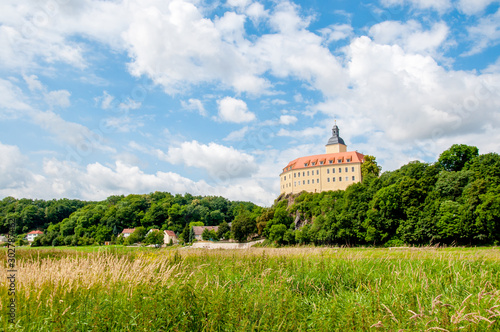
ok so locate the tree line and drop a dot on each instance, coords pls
(74, 222)
(455, 200)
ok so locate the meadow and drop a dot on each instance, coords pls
(259, 289)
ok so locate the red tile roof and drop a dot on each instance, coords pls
(170, 233)
(35, 232)
(299, 163)
(128, 230)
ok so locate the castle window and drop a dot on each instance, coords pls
(303, 181)
(317, 172)
(353, 169)
(317, 180)
(330, 161)
(340, 178)
(333, 170)
(339, 160)
(312, 181)
(333, 179)
(313, 164)
(353, 178)
(347, 178)
(285, 177)
(321, 163)
(328, 179)
(307, 173)
(340, 170)
(303, 173)
(347, 169)
(348, 160)
(294, 175)
(307, 181)
(327, 171)
(295, 183)
(305, 164)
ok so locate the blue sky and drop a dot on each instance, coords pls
(214, 97)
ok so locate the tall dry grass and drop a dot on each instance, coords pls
(260, 289)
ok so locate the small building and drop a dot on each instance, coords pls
(170, 236)
(127, 231)
(3, 239)
(32, 235)
(198, 231)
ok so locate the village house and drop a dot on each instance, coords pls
(127, 231)
(170, 236)
(198, 231)
(167, 236)
(32, 235)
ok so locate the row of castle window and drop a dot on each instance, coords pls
(333, 179)
(295, 183)
(317, 172)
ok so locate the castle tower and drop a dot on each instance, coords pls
(335, 143)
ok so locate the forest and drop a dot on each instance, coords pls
(454, 201)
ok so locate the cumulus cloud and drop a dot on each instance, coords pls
(194, 104)
(95, 181)
(438, 5)
(58, 98)
(336, 32)
(287, 119)
(472, 7)
(219, 161)
(410, 35)
(485, 33)
(237, 135)
(234, 110)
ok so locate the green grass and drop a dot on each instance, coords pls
(262, 289)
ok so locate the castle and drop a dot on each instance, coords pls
(334, 170)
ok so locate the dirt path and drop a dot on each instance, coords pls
(223, 245)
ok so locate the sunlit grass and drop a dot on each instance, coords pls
(260, 289)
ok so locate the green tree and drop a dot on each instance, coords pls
(223, 230)
(455, 158)
(277, 232)
(243, 226)
(154, 237)
(369, 166)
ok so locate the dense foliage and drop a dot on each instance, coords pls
(455, 200)
(72, 222)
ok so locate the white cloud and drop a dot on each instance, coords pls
(219, 161)
(105, 101)
(234, 110)
(485, 34)
(438, 5)
(336, 32)
(236, 135)
(58, 98)
(11, 99)
(402, 99)
(194, 104)
(304, 133)
(472, 7)
(33, 83)
(410, 35)
(288, 119)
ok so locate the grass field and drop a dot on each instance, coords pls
(260, 289)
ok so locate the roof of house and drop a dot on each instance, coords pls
(35, 232)
(198, 230)
(128, 230)
(153, 230)
(339, 158)
(170, 233)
